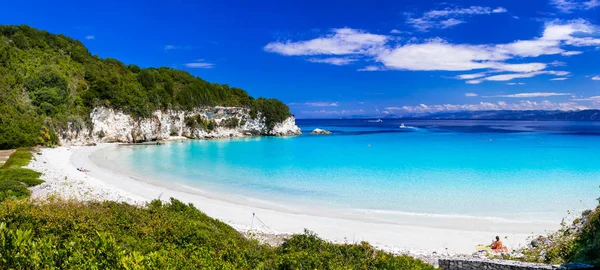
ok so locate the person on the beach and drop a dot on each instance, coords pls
(497, 245)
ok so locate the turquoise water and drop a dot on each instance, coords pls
(516, 170)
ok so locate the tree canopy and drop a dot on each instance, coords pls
(47, 79)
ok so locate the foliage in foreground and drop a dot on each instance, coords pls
(577, 242)
(108, 235)
(50, 81)
(15, 180)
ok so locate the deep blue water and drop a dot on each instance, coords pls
(511, 169)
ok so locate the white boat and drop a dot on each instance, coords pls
(402, 125)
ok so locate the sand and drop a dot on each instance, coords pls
(416, 235)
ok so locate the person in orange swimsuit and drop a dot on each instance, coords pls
(497, 245)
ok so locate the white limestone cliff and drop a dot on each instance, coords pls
(114, 126)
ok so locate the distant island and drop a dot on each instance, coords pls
(530, 115)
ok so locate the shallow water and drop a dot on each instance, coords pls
(516, 170)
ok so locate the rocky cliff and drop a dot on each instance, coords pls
(109, 125)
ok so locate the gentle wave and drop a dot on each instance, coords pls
(448, 216)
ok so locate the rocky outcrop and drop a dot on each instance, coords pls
(319, 131)
(109, 125)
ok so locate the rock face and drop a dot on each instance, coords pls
(114, 126)
(319, 131)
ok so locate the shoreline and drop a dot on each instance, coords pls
(417, 235)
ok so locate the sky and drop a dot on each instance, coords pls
(331, 59)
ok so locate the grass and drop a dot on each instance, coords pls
(14, 180)
(107, 235)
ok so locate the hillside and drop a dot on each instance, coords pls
(49, 80)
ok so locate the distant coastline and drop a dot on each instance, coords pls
(527, 115)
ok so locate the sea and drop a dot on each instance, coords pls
(530, 171)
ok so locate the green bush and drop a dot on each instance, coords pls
(232, 122)
(27, 176)
(9, 188)
(18, 159)
(273, 110)
(174, 235)
(576, 242)
(15, 180)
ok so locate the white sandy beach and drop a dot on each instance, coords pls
(414, 234)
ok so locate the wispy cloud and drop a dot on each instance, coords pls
(471, 76)
(512, 76)
(559, 79)
(531, 95)
(448, 17)
(200, 65)
(593, 98)
(568, 6)
(338, 61)
(470, 95)
(333, 112)
(370, 68)
(383, 52)
(515, 83)
(596, 78)
(570, 53)
(492, 106)
(90, 37)
(341, 41)
(316, 104)
(176, 47)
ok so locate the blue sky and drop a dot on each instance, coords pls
(342, 58)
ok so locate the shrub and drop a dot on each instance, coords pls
(14, 180)
(174, 235)
(19, 158)
(232, 122)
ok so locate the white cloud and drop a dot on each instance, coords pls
(568, 6)
(338, 61)
(474, 81)
(559, 79)
(569, 53)
(436, 54)
(450, 23)
(532, 95)
(470, 94)
(396, 31)
(333, 112)
(593, 98)
(342, 41)
(499, 10)
(370, 68)
(90, 37)
(596, 78)
(490, 106)
(200, 65)
(170, 47)
(446, 18)
(515, 83)
(317, 104)
(471, 76)
(512, 76)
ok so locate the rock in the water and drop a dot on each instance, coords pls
(319, 131)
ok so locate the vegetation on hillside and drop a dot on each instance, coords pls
(72, 235)
(49, 80)
(15, 180)
(575, 242)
